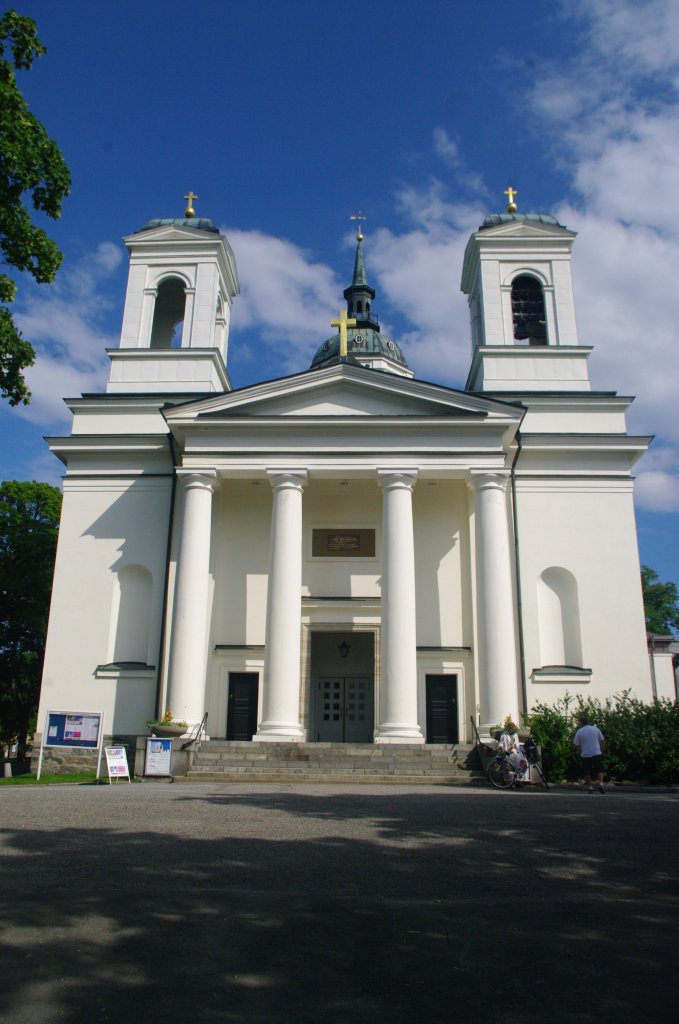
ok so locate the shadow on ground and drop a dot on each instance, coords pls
(298, 907)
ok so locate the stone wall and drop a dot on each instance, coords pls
(67, 760)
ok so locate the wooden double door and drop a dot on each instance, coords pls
(345, 709)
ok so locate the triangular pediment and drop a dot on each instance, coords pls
(525, 229)
(171, 233)
(343, 391)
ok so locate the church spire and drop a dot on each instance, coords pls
(359, 294)
(359, 280)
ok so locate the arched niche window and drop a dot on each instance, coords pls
(528, 310)
(168, 315)
(559, 618)
(131, 614)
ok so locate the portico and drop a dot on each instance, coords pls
(343, 546)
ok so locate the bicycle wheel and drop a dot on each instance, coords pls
(501, 774)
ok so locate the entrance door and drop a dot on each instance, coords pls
(345, 709)
(442, 724)
(241, 722)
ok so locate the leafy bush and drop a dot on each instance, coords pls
(642, 740)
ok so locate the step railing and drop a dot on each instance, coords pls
(199, 731)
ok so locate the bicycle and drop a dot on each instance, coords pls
(502, 771)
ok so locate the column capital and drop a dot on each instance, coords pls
(202, 479)
(488, 479)
(397, 479)
(284, 479)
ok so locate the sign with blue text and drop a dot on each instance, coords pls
(158, 757)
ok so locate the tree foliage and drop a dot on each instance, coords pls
(661, 603)
(29, 522)
(31, 168)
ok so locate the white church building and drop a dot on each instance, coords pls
(348, 554)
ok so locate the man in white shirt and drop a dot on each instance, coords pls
(590, 744)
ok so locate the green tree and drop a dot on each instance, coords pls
(31, 167)
(661, 603)
(29, 522)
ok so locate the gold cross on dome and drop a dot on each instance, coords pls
(189, 211)
(343, 322)
(359, 217)
(510, 193)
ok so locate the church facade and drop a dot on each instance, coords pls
(348, 554)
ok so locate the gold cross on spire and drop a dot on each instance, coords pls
(343, 322)
(359, 217)
(189, 211)
(510, 193)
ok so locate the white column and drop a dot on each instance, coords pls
(495, 625)
(188, 643)
(187, 329)
(398, 676)
(281, 690)
(146, 320)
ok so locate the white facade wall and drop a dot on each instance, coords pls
(442, 564)
(106, 527)
(586, 528)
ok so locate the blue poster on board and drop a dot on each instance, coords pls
(65, 729)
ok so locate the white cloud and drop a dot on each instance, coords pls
(285, 294)
(64, 323)
(657, 491)
(657, 484)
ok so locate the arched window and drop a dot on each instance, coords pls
(168, 315)
(131, 614)
(559, 618)
(528, 310)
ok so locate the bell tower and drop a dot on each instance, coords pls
(517, 278)
(181, 284)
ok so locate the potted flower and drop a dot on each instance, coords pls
(166, 726)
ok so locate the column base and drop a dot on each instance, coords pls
(398, 732)
(279, 732)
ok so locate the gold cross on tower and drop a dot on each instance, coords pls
(359, 217)
(510, 193)
(343, 323)
(189, 211)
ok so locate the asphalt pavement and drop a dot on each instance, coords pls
(307, 904)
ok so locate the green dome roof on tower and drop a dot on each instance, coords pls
(493, 219)
(361, 341)
(202, 223)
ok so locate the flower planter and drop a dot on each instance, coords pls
(168, 730)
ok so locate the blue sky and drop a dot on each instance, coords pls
(286, 116)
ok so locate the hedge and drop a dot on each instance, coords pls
(642, 740)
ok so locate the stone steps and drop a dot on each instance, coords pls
(223, 761)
